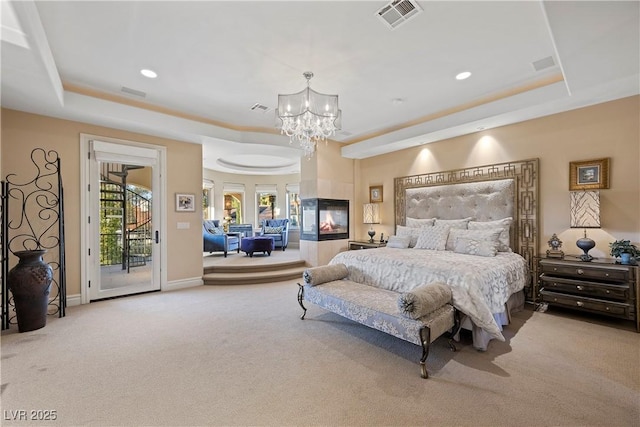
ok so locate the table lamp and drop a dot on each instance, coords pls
(585, 213)
(371, 215)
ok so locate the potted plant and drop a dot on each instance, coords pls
(624, 250)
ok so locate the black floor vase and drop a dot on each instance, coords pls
(30, 283)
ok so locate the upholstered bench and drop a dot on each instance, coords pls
(420, 316)
(257, 244)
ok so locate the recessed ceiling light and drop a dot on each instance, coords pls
(463, 75)
(149, 73)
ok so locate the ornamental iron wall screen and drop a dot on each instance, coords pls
(33, 218)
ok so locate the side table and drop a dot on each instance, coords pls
(356, 245)
(600, 286)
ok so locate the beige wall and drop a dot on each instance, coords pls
(141, 177)
(22, 132)
(607, 130)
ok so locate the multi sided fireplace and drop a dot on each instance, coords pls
(324, 219)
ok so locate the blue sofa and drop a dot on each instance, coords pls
(281, 238)
(215, 241)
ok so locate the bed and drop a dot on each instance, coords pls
(481, 200)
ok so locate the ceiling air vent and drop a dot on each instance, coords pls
(133, 92)
(259, 107)
(398, 12)
(543, 63)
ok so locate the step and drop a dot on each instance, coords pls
(245, 277)
(254, 268)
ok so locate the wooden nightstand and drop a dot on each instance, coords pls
(600, 286)
(354, 244)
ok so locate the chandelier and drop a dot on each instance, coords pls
(308, 117)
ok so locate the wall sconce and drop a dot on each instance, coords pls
(585, 213)
(371, 215)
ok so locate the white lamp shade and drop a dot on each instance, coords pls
(585, 209)
(371, 213)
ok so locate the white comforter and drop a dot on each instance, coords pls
(480, 285)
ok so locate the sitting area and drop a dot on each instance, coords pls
(278, 229)
(419, 316)
(264, 244)
(216, 240)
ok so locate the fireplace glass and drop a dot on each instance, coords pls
(324, 219)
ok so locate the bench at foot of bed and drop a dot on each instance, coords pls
(387, 311)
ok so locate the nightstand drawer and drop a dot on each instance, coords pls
(588, 289)
(610, 273)
(610, 308)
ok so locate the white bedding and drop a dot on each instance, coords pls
(480, 285)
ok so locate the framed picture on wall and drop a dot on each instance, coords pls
(589, 174)
(375, 194)
(185, 202)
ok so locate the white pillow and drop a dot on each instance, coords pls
(403, 231)
(434, 238)
(469, 246)
(502, 224)
(455, 233)
(454, 223)
(419, 222)
(399, 242)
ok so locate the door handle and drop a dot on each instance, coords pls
(157, 238)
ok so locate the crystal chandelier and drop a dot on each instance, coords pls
(308, 117)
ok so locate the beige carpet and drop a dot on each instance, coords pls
(220, 355)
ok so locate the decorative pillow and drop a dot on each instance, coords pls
(325, 273)
(454, 223)
(419, 222)
(216, 230)
(403, 231)
(272, 230)
(502, 224)
(469, 246)
(399, 242)
(434, 238)
(456, 233)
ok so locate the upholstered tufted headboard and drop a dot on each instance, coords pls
(485, 193)
(484, 201)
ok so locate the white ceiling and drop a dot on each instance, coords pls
(216, 59)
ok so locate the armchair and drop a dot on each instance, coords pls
(214, 239)
(278, 229)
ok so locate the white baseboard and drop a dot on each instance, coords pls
(183, 283)
(74, 300)
(171, 286)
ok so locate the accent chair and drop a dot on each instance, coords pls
(215, 239)
(278, 229)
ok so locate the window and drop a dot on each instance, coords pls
(233, 203)
(208, 210)
(266, 202)
(293, 205)
(266, 206)
(233, 208)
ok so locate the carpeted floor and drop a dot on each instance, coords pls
(240, 355)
